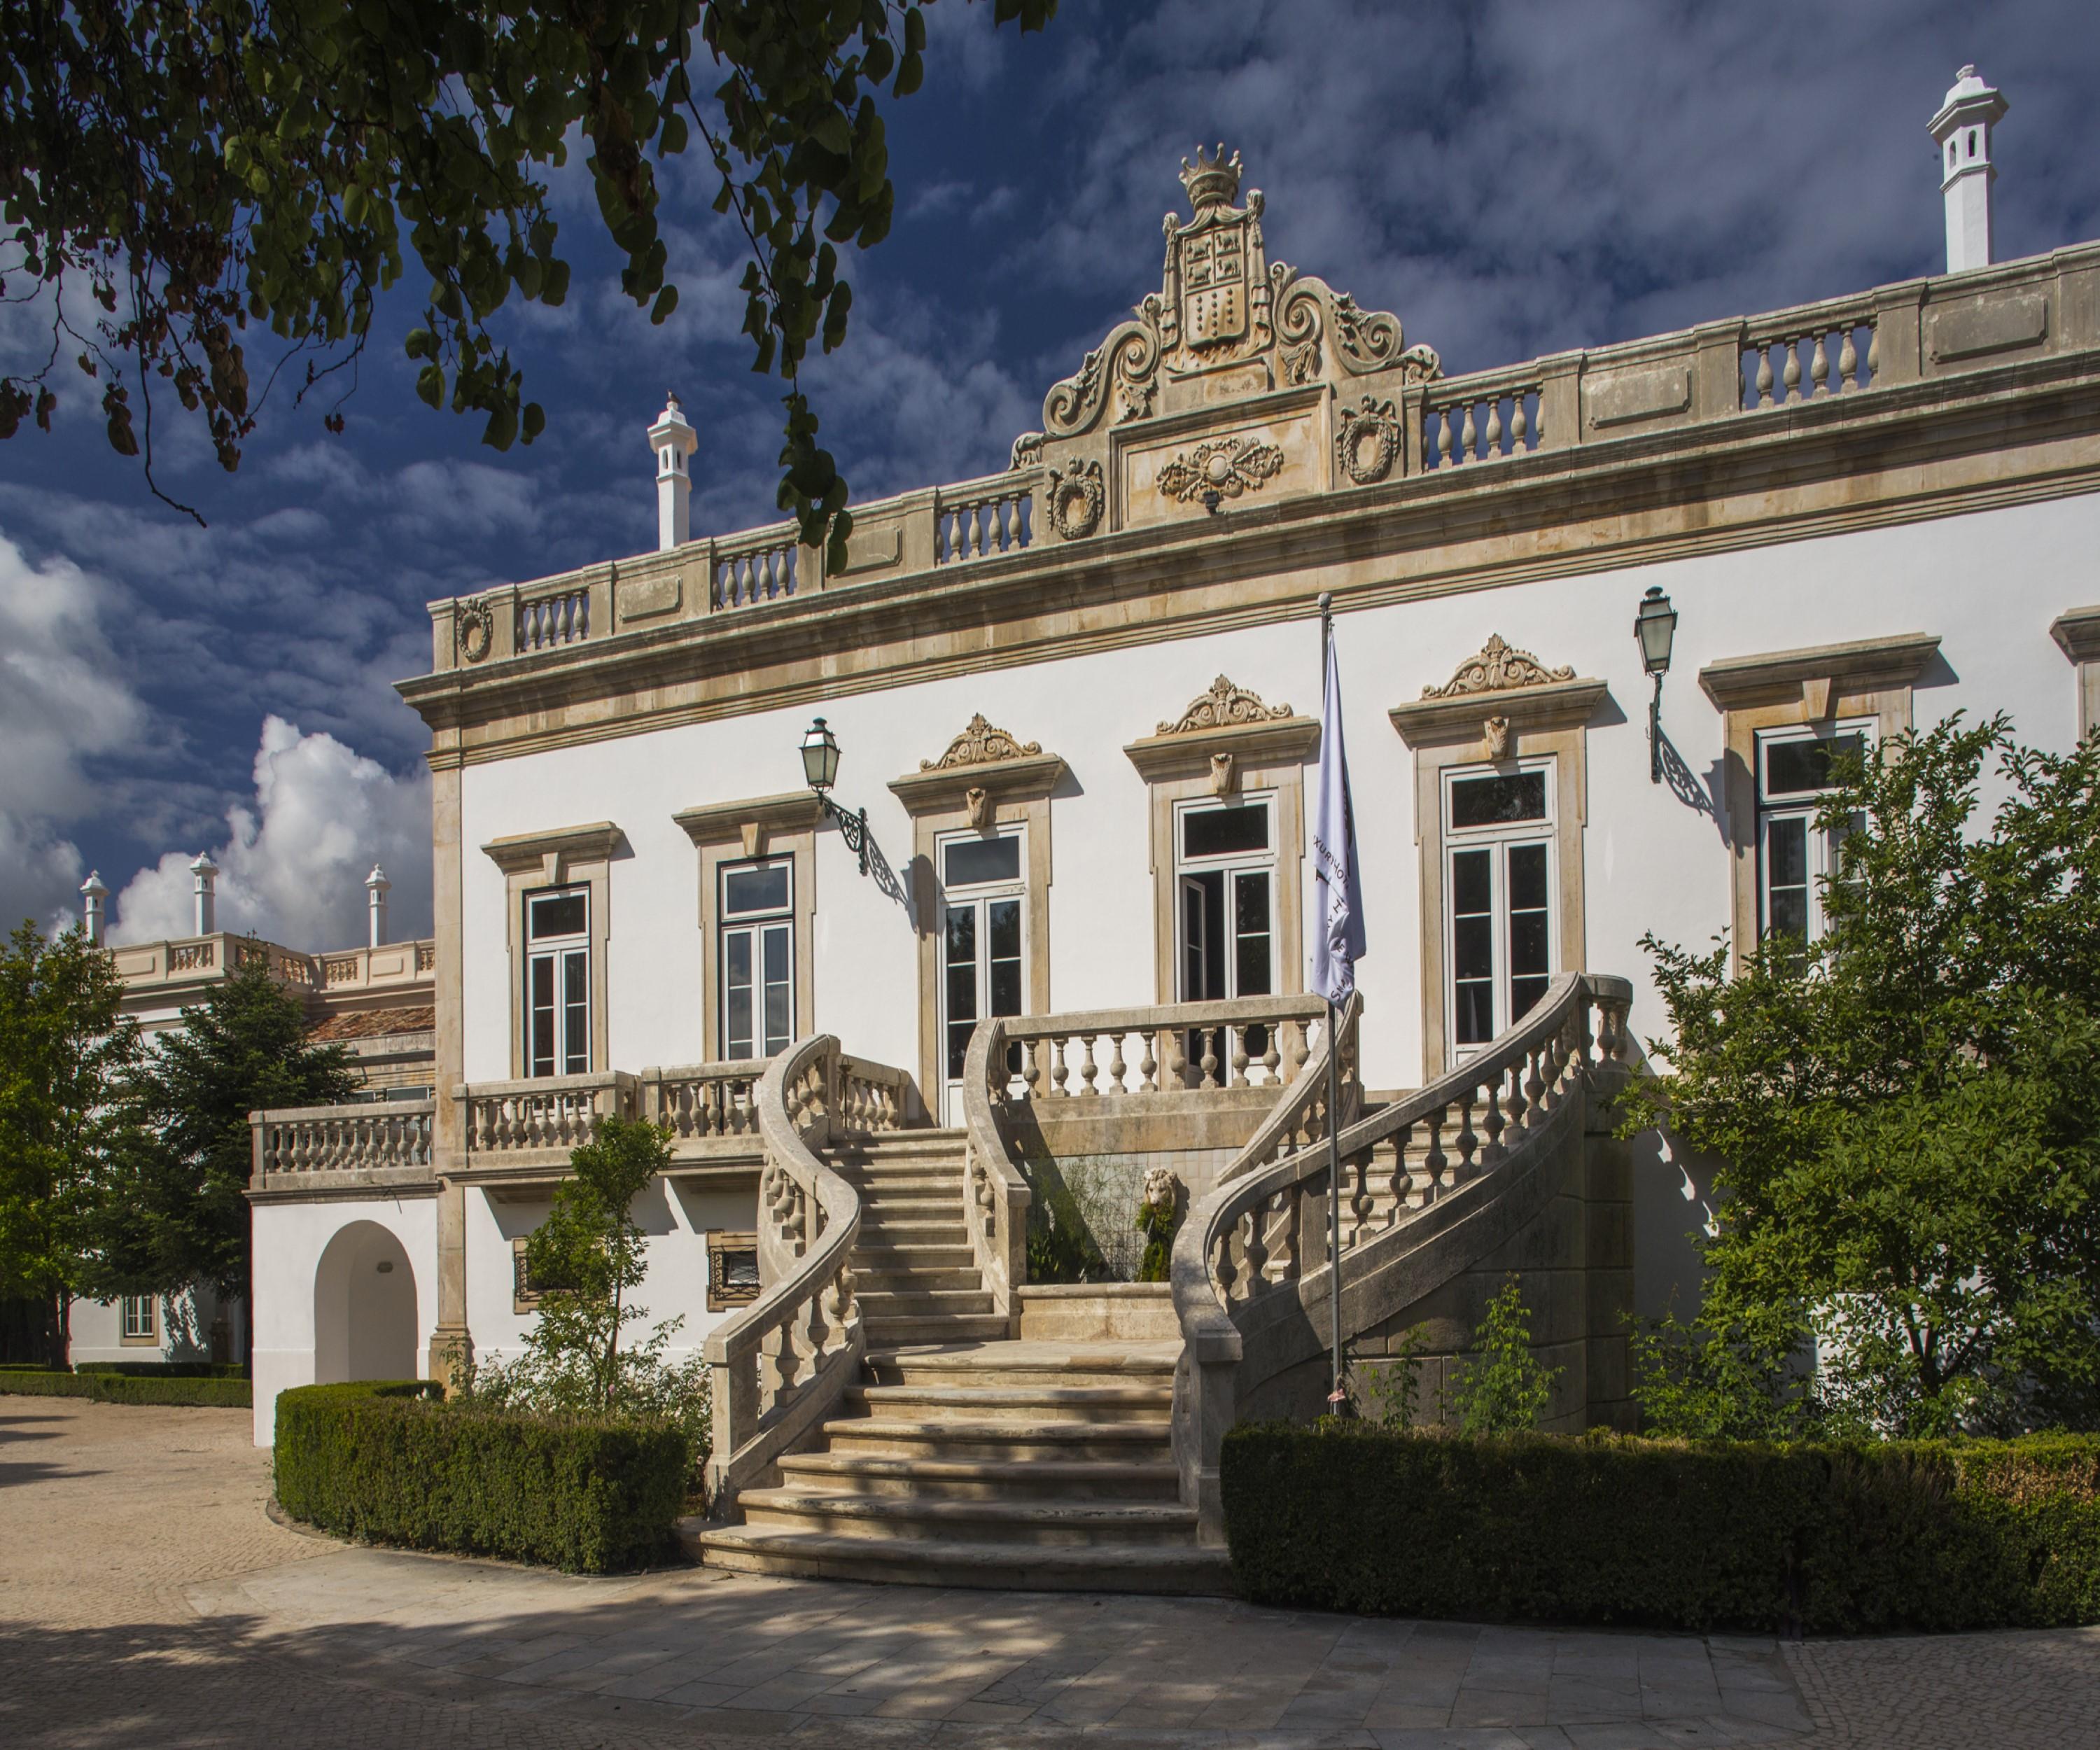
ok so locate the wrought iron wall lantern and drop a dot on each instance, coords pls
(820, 765)
(1655, 626)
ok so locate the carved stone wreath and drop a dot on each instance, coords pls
(1497, 667)
(1368, 440)
(979, 744)
(1224, 706)
(475, 629)
(1227, 466)
(1076, 499)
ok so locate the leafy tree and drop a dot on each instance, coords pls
(206, 164)
(585, 1260)
(1906, 1109)
(176, 1212)
(1506, 1389)
(65, 1049)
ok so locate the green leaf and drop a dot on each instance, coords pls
(430, 384)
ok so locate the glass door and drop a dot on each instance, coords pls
(983, 948)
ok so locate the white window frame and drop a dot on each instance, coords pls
(560, 953)
(1498, 838)
(976, 894)
(756, 925)
(1231, 864)
(139, 1319)
(1799, 806)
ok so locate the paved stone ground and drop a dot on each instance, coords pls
(146, 1601)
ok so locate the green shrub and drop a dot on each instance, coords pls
(126, 1388)
(383, 1462)
(166, 1369)
(1819, 1539)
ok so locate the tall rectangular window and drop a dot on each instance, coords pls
(1794, 860)
(984, 893)
(137, 1314)
(1225, 876)
(757, 962)
(1498, 896)
(557, 1017)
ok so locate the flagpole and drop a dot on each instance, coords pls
(1337, 1399)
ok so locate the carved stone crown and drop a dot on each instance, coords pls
(980, 744)
(1213, 181)
(1497, 668)
(1221, 707)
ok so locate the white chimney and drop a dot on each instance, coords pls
(673, 441)
(376, 885)
(92, 893)
(1963, 130)
(206, 872)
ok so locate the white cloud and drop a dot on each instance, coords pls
(63, 699)
(293, 867)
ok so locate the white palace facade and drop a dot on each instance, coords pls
(1041, 938)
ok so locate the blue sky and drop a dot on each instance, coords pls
(1511, 177)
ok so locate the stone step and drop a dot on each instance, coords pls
(876, 1231)
(1023, 1364)
(982, 1479)
(887, 1211)
(1000, 1441)
(914, 1281)
(889, 1330)
(906, 1188)
(1052, 1524)
(915, 1302)
(888, 1260)
(1089, 1568)
(1037, 1403)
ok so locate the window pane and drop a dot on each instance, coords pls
(759, 887)
(1786, 853)
(962, 928)
(1524, 993)
(1474, 1018)
(1251, 955)
(1527, 877)
(965, 862)
(540, 1043)
(739, 1270)
(575, 1023)
(776, 1019)
(1003, 920)
(1528, 952)
(1470, 883)
(559, 914)
(776, 954)
(1225, 831)
(1494, 801)
(959, 1047)
(1793, 766)
(737, 1004)
(1473, 947)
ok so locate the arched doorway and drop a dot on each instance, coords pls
(365, 1307)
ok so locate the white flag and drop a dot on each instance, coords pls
(1338, 943)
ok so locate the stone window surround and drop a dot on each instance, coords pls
(1182, 766)
(2077, 635)
(1015, 791)
(1539, 721)
(566, 857)
(725, 833)
(719, 1241)
(1822, 684)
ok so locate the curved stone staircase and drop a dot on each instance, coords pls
(965, 1458)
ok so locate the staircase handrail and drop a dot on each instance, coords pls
(1299, 1118)
(1265, 1231)
(996, 1195)
(782, 1365)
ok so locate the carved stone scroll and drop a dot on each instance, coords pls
(980, 744)
(1497, 667)
(1229, 467)
(1222, 706)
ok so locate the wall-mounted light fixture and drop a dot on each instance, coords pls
(1655, 626)
(820, 765)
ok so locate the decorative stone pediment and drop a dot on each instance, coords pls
(552, 854)
(1818, 674)
(754, 821)
(1498, 666)
(1224, 706)
(1226, 314)
(980, 743)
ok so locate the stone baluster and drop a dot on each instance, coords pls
(1848, 363)
(1764, 377)
(1491, 1123)
(1088, 1070)
(1468, 1140)
(1210, 1063)
(1271, 1058)
(1819, 368)
(1469, 439)
(1059, 1070)
(1256, 1248)
(1791, 374)
(1149, 1066)
(1117, 1066)
(1435, 1161)
(1443, 418)
(1517, 425)
(1495, 427)
(1874, 352)
(1359, 1168)
(1238, 1042)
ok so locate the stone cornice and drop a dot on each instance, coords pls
(1279, 741)
(2077, 634)
(939, 788)
(1460, 716)
(1864, 665)
(721, 823)
(1902, 454)
(552, 852)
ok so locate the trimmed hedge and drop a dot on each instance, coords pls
(1603, 1529)
(167, 1369)
(128, 1388)
(385, 1463)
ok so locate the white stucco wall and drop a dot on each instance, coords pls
(1987, 584)
(182, 1324)
(291, 1241)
